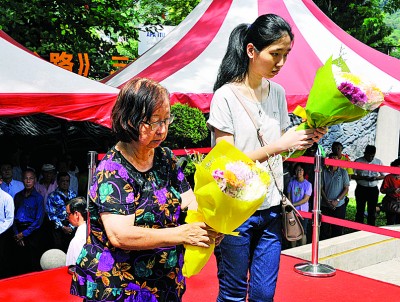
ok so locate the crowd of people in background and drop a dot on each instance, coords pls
(335, 185)
(33, 212)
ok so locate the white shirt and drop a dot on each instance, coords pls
(76, 244)
(6, 211)
(368, 183)
(228, 115)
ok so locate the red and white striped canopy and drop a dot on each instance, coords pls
(186, 61)
(30, 85)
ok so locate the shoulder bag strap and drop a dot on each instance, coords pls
(255, 122)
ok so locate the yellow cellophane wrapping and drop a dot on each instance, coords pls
(218, 210)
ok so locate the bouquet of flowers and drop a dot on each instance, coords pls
(337, 96)
(229, 188)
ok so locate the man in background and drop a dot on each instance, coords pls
(10, 185)
(29, 214)
(77, 214)
(48, 182)
(334, 187)
(367, 191)
(337, 150)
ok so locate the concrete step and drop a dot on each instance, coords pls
(367, 254)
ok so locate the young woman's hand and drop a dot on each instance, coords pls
(301, 139)
(319, 133)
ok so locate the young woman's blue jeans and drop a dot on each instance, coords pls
(248, 264)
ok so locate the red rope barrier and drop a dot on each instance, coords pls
(354, 225)
(183, 152)
(301, 159)
(177, 152)
(348, 164)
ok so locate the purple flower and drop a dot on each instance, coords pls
(121, 256)
(132, 286)
(359, 97)
(353, 93)
(130, 198)
(81, 280)
(177, 213)
(346, 88)
(181, 176)
(161, 195)
(101, 165)
(144, 295)
(93, 189)
(218, 174)
(123, 173)
(106, 261)
(112, 166)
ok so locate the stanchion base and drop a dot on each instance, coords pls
(314, 270)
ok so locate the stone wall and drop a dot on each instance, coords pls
(354, 136)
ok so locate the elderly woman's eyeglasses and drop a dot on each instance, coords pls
(156, 125)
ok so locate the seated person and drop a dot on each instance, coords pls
(77, 215)
(391, 187)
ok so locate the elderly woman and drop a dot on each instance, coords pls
(135, 248)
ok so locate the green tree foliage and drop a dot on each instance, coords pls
(178, 10)
(390, 6)
(362, 19)
(393, 40)
(101, 28)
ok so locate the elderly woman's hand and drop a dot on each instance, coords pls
(219, 238)
(199, 234)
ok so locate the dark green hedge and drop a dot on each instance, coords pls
(188, 129)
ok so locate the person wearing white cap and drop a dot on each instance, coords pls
(48, 182)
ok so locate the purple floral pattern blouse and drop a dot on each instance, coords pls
(106, 273)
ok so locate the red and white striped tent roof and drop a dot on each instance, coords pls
(187, 59)
(30, 85)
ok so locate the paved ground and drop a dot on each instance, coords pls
(388, 271)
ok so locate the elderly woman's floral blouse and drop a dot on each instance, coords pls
(106, 273)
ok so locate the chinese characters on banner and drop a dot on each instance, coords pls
(65, 60)
(117, 64)
(148, 37)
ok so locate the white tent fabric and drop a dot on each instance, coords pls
(30, 85)
(186, 61)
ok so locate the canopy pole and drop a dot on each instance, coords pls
(91, 157)
(314, 269)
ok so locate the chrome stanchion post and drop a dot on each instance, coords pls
(91, 157)
(314, 269)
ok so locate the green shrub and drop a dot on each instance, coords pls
(188, 129)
